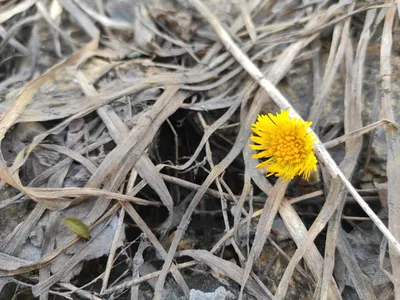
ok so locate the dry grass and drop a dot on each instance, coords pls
(83, 138)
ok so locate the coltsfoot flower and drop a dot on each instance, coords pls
(285, 144)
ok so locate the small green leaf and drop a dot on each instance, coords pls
(78, 227)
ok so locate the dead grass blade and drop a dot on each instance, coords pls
(137, 263)
(228, 269)
(148, 171)
(16, 9)
(91, 167)
(263, 228)
(393, 144)
(9, 262)
(361, 283)
(352, 123)
(113, 250)
(7, 38)
(318, 225)
(55, 219)
(360, 132)
(305, 197)
(248, 21)
(81, 17)
(104, 20)
(145, 278)
(247, 188)
(50, 194)
(211, 192)
(46, 15)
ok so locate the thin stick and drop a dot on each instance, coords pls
(113, 250)
(305, 197)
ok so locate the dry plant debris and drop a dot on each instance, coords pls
(133, 121)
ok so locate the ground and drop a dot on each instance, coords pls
(134, 119)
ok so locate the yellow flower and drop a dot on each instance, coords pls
(286, 145)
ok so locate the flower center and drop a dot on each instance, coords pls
(289, 149)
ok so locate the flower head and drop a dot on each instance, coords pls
(286, 145)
